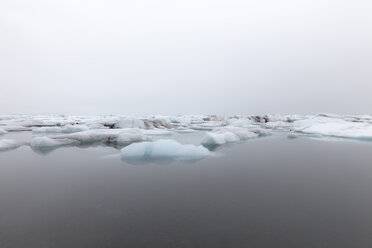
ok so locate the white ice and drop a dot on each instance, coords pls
(112, 136)
(145, 123)
(164, 149)
(336, 128)
(8, 144)
(229, 134)
(209, 130)
(65, 129)
(130, 123)
(93, 136)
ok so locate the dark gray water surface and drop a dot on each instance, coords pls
(270, 192)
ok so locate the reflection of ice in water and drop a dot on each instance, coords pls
(164, 150)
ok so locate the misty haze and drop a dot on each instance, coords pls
(185, 123)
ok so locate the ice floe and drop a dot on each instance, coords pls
(9, 144)
(230, 134)
(43, 132)
(145, 123)
(164, 149)
(93, 136)
(339, 128)
(65, 129)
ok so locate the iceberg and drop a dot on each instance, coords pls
(207, 126)
(8, 144)
(109, 136)
(215, 139)
(229, 134)
(129, 123)
(158, 123)
(145, 123)
(163, 150)
(93, 136)
(340, 128)
(65, 129)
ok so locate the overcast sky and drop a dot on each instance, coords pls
(185, 56)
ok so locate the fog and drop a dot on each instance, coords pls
(185, 57)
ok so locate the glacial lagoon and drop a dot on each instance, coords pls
(273, 190)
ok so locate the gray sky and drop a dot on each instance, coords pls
(183, 57)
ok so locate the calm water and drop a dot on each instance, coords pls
(271, 192)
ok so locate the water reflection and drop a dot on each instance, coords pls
(267, 193)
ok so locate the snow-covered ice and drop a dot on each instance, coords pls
(130, 123)
(93, 136)
(145, 123)
(123, 136)
(164, 149)
(230, 134)
(9, 144)
(65, 129)
(210, 131)
(340, 128)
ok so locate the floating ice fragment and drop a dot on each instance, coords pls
(8, 144)
(241, 122)
(145, 123)
(164, 149)
(110, 136)
(93, 136)
(339, 128)
(229, 134)
(213, 139)
(119, 130)
(130, 123)
(64, 129)
(278, 125)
